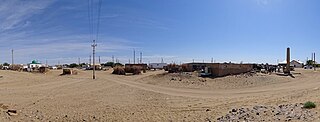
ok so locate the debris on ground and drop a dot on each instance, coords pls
(288, 112)
(12, 112)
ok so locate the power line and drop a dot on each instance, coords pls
(92, 19)
(92, 23)
(89, 18)
(98, 23)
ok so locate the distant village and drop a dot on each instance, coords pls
(203, 69)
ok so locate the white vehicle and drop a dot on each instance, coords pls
(157, 65)
(54, 67)
(308, 67)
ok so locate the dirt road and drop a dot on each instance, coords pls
(50, 97)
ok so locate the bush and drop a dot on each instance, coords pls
(16, 67)
(73, 65)
(309, 105)
(43, 69)
(110, 64)
(118, 64)
(6, 64)
(118, 70)
(135, 70)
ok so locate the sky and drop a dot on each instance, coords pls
(179, 31)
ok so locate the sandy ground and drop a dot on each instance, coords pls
(153, 96)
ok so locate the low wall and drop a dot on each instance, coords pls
(231, 69)
(219, 69)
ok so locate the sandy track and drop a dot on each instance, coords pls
(274, 89)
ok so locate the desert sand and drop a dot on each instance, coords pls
(152, 96)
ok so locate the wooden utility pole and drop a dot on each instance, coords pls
(94, 45)
(134, 56)
(12, 57)
(140, 57)
(314, 61)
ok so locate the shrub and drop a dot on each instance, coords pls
(135, 70)
(118, 70)
(43, 69)
(73, 65)
(66, 72)
(16, 67)
(309, 105)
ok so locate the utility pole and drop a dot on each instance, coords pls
(90, 60)
(94, 45)
(113, 58)
(134, 56)
(79, 61)
(211, 60)
(314, 64)
(161, 60)
(140, 57)
(12, 57)
(99, 60)
(312, 59)
(46, 63)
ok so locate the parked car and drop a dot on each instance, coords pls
(308, 67)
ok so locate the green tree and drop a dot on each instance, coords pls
(310, 62)
(73, 65)
(111, 64)
(118, 64)
(6, 64)
(83, 64)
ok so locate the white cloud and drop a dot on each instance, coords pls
(15, 13)
(66, 47)
(263, 2)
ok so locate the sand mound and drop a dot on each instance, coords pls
(191, 80)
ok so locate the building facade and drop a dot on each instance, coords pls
(218, 69)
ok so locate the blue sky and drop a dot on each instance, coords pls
(177, 30)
